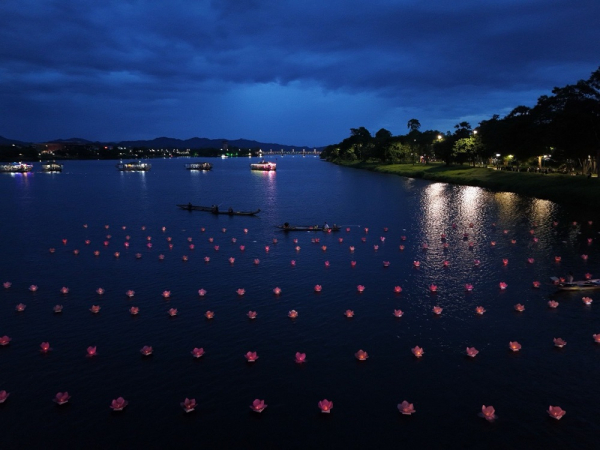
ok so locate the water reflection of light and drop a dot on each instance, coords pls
(434, 211)
(541, 210)
(471, 203)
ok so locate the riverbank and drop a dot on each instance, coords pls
(579, 191)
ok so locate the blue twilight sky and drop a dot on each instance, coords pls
(286, 71)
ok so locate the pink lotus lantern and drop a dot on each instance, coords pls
(293, 314)
(20, 307)
(95, 309)
(45, 347)
(340, 240)
(64, 290)
(476, 262)
(256, 261)
(258, 406)
(406, 408)
(324, 248)
(433, 288)
(446, 264)
(245, 230)
(51, 250)
(130, 293)
(231, 260)
(118, 404)
(535, 240)
(138, 256)
(267, 248)
(184, 258)
(300, 358)
(146, 350)
(351, 248)
(172, 312)
(397, 289)
(596, 338)
(7, 284)
(240, 292)
(325, 406)
(349, 313)
(361, 355)
(536, 284)
(116, 254)
(514, 346)
(589, 241)
(277, 291)
(252, 314)
(587, 300)
(188, 405)
(416, 264)
(398, 313)
(5, 340)
(274, 240)
(584, 257)
(472, 352)
(216, 247)
(211, 240)
(61, 398)
(293, 263)
(488, 413)
(553, 304)
(91, 351)
(556, 412)
(437, 310)
(505, 261)
(166, 294)
(76, 252)
(386, 264)
(251, 356)
(134, 310)
(242, 248)
(3, 396)
(401, 247)
(502, 285)
(198, 352)
(100, 291)
(57, 308)
(557, 259)
(402, 238)
(588, 276)
(366, 230)
(201, 292)
(376, 247)
(297, 248)
(295, 241)
(559, 342)
(493, 243)
(327, 264)
(480, 310)
(87, 242)
(417, 351)
(191, 246)
(318, 288)
(360, 288)
(519, 307)
(207, 259)
(425, 246)
(352, 263)
(468, 287)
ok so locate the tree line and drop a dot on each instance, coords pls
(562, 131)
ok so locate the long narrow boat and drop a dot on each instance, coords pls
(308, 228)
(133, 166)
(213, 210)
(582, 285)
(199, 166)
(52, 166)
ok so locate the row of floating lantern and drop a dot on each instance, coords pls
(259, 405)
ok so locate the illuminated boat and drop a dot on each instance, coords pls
(582, 285)
(52, 166)
(216, 210)
(134, 166)
(199, 166)
(263, 165)
(288, 227)
(16, 167)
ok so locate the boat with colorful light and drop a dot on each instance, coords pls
(215, 210)
(263, 165)
(134, 166)
(199, 166)
(581, 285)
(288, 227)
(16, 167)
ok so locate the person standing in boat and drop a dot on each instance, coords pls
(215, 209)
(189, 206)
(326, 226)
(570, 278)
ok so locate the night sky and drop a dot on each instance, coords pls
(291, 72)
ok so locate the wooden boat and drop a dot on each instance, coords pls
(16, 167)
(133, 166)
(212, 209)
(52, 166)
(308, 228)
(263, 165)
(199, 166)
(582, 285)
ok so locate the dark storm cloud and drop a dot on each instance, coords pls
(121, 69)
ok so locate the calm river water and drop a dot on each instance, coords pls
(93, 201)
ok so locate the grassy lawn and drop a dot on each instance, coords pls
(564, 189)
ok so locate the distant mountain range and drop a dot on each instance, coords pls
(166, 142)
